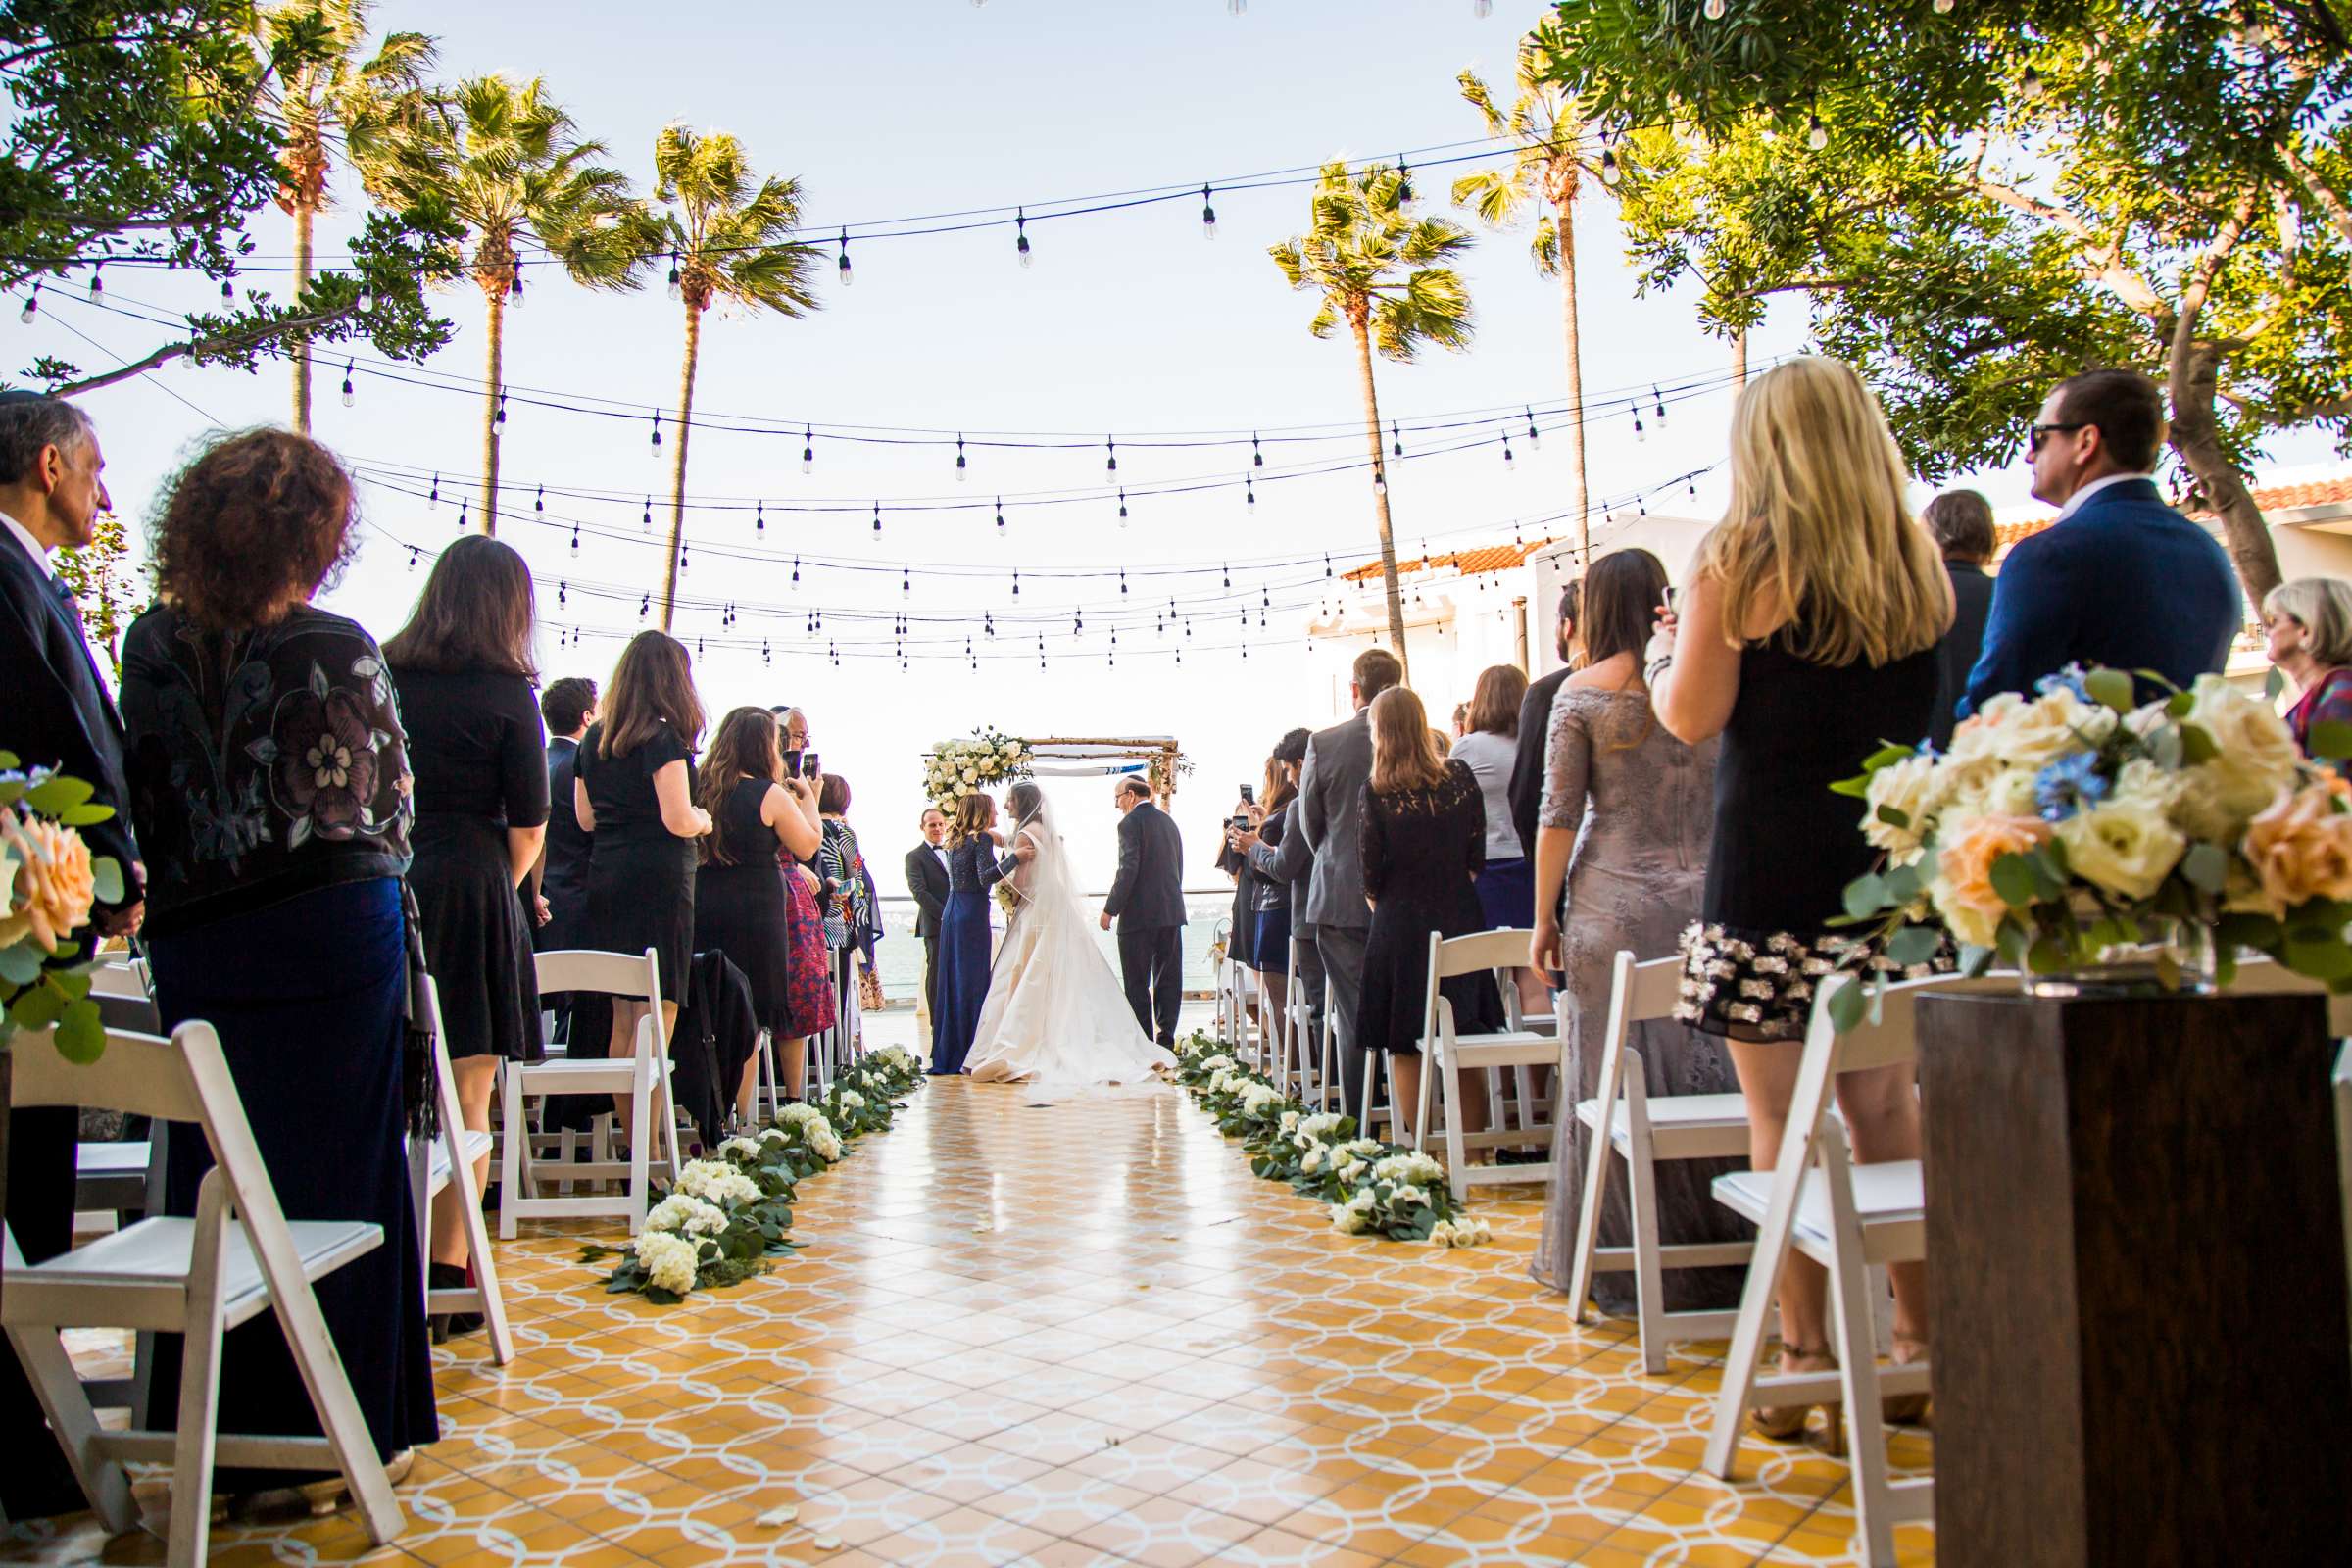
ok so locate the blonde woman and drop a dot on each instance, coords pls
(1422, 835)
(2308, 624)
(1808, 632)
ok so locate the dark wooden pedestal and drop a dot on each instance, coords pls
(2136, 1255)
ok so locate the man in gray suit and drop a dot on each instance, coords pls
(1330, 792)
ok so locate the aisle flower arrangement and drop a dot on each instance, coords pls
(956, 768)
(1367, 1188)
(2077, 822)
(724, 1219)
(49, 881)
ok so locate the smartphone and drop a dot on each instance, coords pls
(792, 765)
(1667, 599)
(812, 767)
(1249, 795)
(1240, 824)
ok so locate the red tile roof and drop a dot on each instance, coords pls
(2333, 491)
(1469, 562)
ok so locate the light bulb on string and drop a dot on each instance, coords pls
(1208, 215)
(1110, 463)
(1660, 403)
(1000, 516)
(1229, 577)
(1638, 434)
(1122, 579)
(562, 591)
(1404, 179)
(1535, 438)
(877, 517)
(1817, 135)
(2028, 86)
(1257, 458)
(847, 276)
(647, 523)
(1713, 10)
(677, 291)
(796, 571)
(906, 580)
(682, 564)
(515, 289)
(1021, 231)
(1943, 8)
(1122, 505)
(433, 496)
(962, 468)
(1692, 484)
(1610, 171)
(1506, 452)
(657, 439)
(33, 304)
(97, 284)
(1396, 440)
(1016, 585)
(575, 538)
(349, 397)
(1249, 491)
(759, 517)
(411, 558)
(500, 415)
(645, 606)
(808, 449)
(227, 291)
(366, 302)
(1235, 8)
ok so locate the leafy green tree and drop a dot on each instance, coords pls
(506, 163)
(1380, 271)
(325, 91)
(1979, 201)
(729, 240)
(106, 591)
(145, 134)
(1554, 158)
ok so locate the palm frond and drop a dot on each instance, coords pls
(1546, 246)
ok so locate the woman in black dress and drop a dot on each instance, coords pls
(1808, 632)
(270, 790)
(633, 788)
(1422, 837)
(740, 904)
(461, 668)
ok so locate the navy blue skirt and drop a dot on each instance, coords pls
(963, 965)
(1506, 892)
(1271, 953)
(307, 998)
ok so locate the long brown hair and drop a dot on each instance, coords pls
(1495, 701)
(1405, 748)
(1277, 791)
(746, 745)
(654, 681)
(476, 613)
(973, 814)
(1623, 590)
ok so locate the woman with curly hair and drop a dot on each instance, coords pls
(270, 791)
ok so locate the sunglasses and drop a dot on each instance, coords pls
(2036, 432)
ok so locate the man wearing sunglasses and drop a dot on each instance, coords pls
(2121, 579)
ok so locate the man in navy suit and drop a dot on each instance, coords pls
(54, 712)
(1147, 900)
(2121, 579)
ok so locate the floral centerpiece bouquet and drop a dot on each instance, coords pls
(956, 768)
(49, 881)
(2063, 827)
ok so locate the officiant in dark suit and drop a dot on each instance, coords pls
(54, 712)
(1147, 900)
(927, 884)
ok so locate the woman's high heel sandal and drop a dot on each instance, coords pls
(1785, 1422)
(1906, 1409)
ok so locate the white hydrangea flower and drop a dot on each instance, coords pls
(1410, 1166)
(1323, 1121)
(1348, 1220)
(717, 1181)
(798, 1114)
(748, 1148)
(669, 1261)
(823, 1143)
(1312, 1161)
(690, 1215)
(1290, 1121)
(851, 1099)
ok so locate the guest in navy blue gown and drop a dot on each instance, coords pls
(271, 789)
(963, 958)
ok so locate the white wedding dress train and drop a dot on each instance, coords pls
(1056, 1016)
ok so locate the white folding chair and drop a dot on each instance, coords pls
(643, 1075)
(1848, 1218)
(1445, 1055)
(1306, 1034)
(1624, 1119)
(445, 1161)
(201, 1277)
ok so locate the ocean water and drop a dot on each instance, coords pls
(900, 954)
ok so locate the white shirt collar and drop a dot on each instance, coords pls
(32, 547)
(939, 850)
(2074, 502)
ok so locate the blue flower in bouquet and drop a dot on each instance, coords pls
(2069, 784)
(2069, 680)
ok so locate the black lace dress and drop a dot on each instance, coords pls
(1421, 848)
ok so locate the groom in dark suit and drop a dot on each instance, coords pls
(54, 712)
(1147, 899)
(927, 882)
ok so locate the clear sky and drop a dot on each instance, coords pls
(1127, 322)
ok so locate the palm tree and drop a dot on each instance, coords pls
(327, 92)
(1380, 270)
(1549, 167)
(506, 163)
(727, 240)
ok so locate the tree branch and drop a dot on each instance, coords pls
(2328, 200)
(2208, 267)
(2103, 262)
(226, 342)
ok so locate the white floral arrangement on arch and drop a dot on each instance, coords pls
(954, 769)
(2063, 826)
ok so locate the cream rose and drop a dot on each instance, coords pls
(2258, 757)
(1964, 894)
(2301, 849)
(2127, 848)
(1904, 788)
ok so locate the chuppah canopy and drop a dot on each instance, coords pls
(958, 767)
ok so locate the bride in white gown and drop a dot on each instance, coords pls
(1055, 1015)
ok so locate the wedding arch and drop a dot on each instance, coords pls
(989, 758)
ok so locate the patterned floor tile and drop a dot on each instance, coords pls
(1070, 1336)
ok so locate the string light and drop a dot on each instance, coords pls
(1396, 440)
(434, 498)
(645, 606)
(682, 562)
(962, 470)
(460, 514)
(1020, 233)
(905, 581)
(877, 517)
(1258, 455)
(1506, 451)
(1111, 463)
(33, 304)
(676, 292)
(759, 517)
(796, 578)
(1638, 434)
(349, 398)
(1482, 8)
(1713, 10)
(657, 442)
(1208, 215)
(515, 289)
(1610, 171)
(500, 415)
(1122, 505)
(1535, 438)
(1249, 491)
(1943, 8)
(647, 522)
(847, 276)
(97, 284)
(1404, 179)
(366, 302)
(2028, 86)
(1000, 516)
(1817, 135)
(575, 538)
(411, 558)
(1661, 405)
(227, 293)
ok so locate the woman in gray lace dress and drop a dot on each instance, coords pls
(1633, 885)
